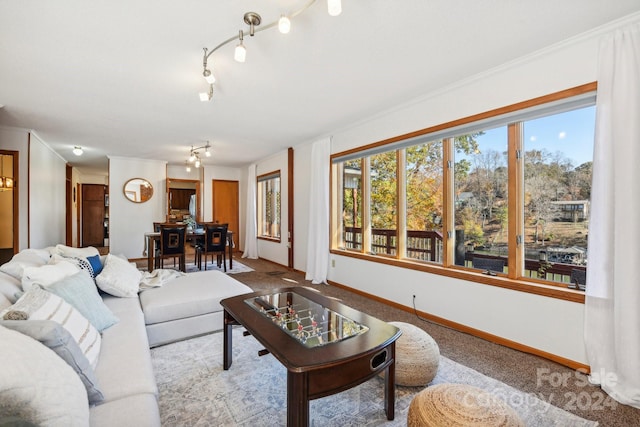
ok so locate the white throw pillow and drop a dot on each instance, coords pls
(119, 278)
(37, 386)
(76, 252)
(47, 274)
(38, 304)
(23, 259)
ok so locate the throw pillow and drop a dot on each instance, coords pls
(96, 264)
(37, 386)
(80, 262)
(4, 302)
(80, 291)
(58, 339)
(47, 274)
(23, 259)
(10, 286)
(38, 304)
(119, 278)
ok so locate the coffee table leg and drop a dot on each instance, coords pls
(390, 386)
(229, 321)
(297, 399)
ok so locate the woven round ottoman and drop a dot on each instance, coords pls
(417, 356)
(460, 405)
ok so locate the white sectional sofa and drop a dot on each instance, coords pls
(183, 307)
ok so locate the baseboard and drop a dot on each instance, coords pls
(471, 331)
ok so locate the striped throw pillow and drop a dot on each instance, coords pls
(38, 304)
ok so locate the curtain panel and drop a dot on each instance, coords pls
(318, 233)
(250, 239)
(612, 307)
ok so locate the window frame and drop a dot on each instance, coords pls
(261, 179)
(513, 117)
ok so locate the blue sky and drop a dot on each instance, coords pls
(570, 133)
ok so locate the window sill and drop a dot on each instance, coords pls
(538, 288)
(270, 239)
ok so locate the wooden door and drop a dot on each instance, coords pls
(226, 207)
(93, 215)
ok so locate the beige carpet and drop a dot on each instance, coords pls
(196, 391)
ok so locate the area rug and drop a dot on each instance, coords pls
(238, 267)
(196, 391)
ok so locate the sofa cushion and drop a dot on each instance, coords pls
(38, 304)
(37, 386)
(58, 339)
(10, 287)
(119, 278)
(125, 361)
(187, 296)
(138, 410)
(80, 291)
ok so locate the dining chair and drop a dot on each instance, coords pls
(173, 240)
(156, 254)
(215, 243)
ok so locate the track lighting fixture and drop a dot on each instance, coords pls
(194, 155)
(253, 20)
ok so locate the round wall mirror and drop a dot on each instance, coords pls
(138, 190)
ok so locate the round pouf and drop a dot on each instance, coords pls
(417, 356)
(460, 405)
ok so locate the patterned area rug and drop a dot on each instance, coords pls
(238, 267)
(196, 391)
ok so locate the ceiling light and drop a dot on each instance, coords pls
(253, 19)
(241, 52)
(208, 76)
(206, 96)
(194, 155)
(188, 167)
(78, 151)
(334, 7)
(284, 24)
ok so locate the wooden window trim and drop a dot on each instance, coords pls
(515, 279)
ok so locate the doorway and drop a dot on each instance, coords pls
(183, 199)
(9, 202)
(225, 206)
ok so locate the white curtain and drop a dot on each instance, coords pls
(612, 312)
(318, 236)
(250, 233)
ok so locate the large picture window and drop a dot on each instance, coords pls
(500, 198)
(269, 206)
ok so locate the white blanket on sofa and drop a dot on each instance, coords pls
(158, 277)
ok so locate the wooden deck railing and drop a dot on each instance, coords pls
(427, 246)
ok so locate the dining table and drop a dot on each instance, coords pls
(152, 240)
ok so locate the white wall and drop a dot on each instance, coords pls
(128, 221)
(47, 193)
(551, 325)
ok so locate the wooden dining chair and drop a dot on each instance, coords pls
(173, 240)
(215, 243)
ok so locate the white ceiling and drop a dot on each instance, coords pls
(121, 78)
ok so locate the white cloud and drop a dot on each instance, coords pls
(562, 135)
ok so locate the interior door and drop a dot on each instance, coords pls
(225, 205)
(93, 215)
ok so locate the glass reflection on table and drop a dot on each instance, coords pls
(310, 323)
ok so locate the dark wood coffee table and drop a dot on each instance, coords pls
(326, 346)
